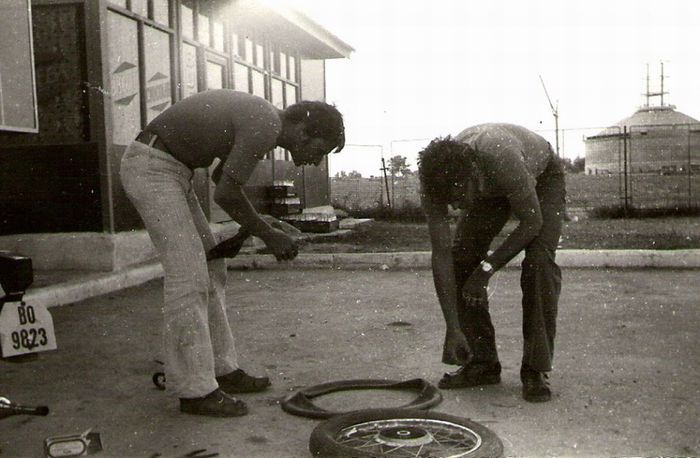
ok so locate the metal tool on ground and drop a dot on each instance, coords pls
(8, 409)
(72, 445)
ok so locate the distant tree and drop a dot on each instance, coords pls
(398, 166)
(575, 166)
(341, 174)
(354, 174)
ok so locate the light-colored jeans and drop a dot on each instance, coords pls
(198, 343)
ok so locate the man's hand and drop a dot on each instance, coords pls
(475, 291)
(282, 246)
(456, 349)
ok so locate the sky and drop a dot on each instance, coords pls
(423, 69)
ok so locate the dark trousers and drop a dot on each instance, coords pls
(540, 279)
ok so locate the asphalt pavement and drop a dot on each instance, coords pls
(626, 379)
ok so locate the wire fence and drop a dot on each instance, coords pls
(650, 166)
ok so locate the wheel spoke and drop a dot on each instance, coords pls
(410, 438)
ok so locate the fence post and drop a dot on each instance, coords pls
(690, 174)
(624, 151)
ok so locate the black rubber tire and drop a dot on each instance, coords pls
(323, 443)
(300, 402)
(159, 380)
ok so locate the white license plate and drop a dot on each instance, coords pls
(25, 328)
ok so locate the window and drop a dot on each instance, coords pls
(203, 33)
(240, 77)
(277, 93)
(141, 86)
(248, 56)
(187, 15)
(157, 69)
(218, 36)
(290, 94)
(264, 70)
(18, 96)
(258, 83)
(234, 45)
(215, 75)
(273, 64)
(123, 62)
(292, 69)
(161, 12)
(189, 70)
(283, 65)
(259, 55)
(140, 7)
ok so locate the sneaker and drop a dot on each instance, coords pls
(240, 382)
(216, 404)
(535, 386)
(473, 374)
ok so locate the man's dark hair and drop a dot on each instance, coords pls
(322, 121)
(441, 164)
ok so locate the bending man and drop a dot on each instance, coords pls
(156, 172)
(492, 172)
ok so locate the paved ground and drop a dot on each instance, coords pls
(627, 376)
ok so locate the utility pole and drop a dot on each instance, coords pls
(391, 149)
(386, 183)
(383, 168)
(555, 113)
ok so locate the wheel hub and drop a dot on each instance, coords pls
(404, 436)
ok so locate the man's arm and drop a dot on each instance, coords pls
(512, 177)
(230, 196)
(257, 127)
(456, 346)
(526, 209)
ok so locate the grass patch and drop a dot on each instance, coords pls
(661, 233)
(619, 211)
(409, 212)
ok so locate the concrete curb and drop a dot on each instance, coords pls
(682, 259)
(102, 283)
(92, 285)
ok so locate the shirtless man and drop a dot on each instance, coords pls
(156, 171)
(493, 172)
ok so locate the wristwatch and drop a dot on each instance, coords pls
(486, 267)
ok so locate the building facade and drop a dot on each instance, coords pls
(105, 68)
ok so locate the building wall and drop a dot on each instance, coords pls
(316, 183)
(104, 68)
(206, 53)
(50, 180)
(649, 149)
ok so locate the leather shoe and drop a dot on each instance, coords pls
(535, 386)
(473, 374)
(240, 382)
(216, 404)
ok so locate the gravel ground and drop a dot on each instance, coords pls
(626, 381)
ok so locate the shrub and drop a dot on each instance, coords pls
(409, 212)
(619, 211)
